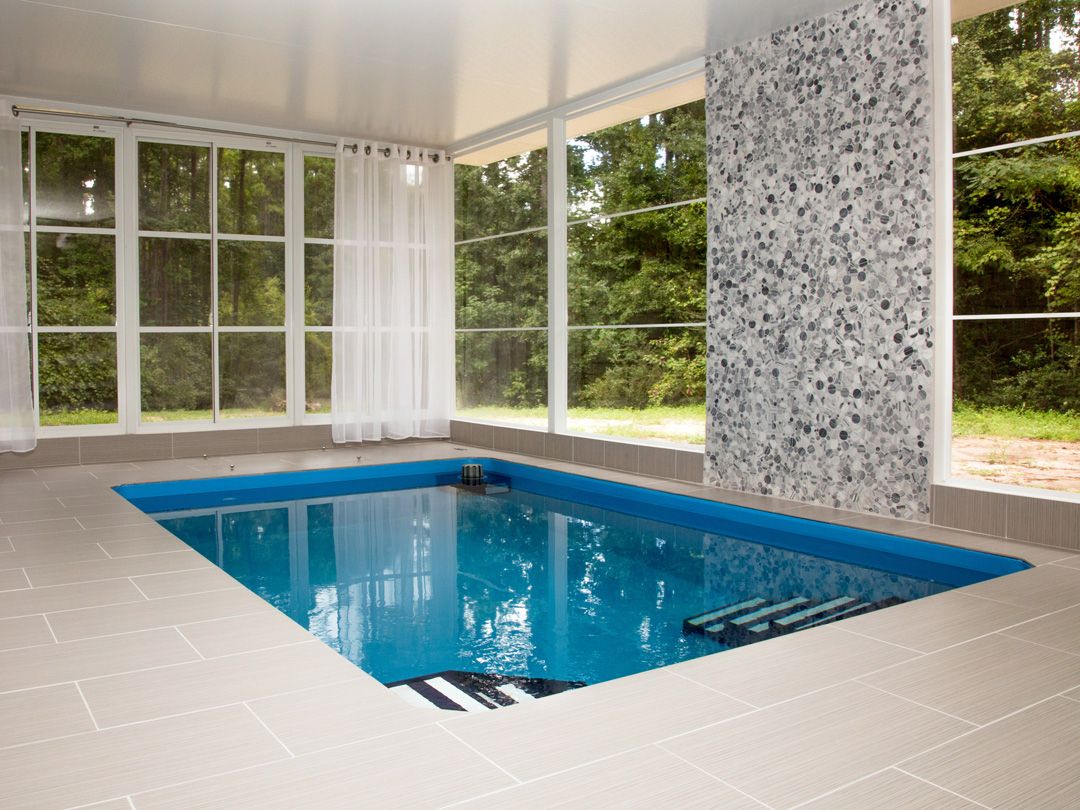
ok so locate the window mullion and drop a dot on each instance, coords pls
(215, 364)
(558, 339)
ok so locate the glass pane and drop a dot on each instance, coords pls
(252, 374)
(641, 268)
(502, 376)
(174, 282)
(76, 276)
(502, 282)
(509, 195)
(319, 285)
(638, 383)
(1016, 402)
(1017, 230)
(77, 378)
(176, 377)
(76, 180)
(318, 347)
(251, 192)
(26, 177)
(657, 159)
(318, 197)
(251, 283)
(1015, 74)
(174, 187)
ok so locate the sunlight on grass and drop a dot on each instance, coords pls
(681, 424)
(1016, 424)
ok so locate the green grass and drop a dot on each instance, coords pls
(1016, 424)
(89, 416)
(683, 424)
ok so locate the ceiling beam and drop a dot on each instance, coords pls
(964, 9)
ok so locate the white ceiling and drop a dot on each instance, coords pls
(430, 72)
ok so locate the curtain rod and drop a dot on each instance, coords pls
(16, 110)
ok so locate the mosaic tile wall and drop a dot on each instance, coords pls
(820, 224)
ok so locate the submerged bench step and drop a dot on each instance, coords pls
(757, 619)
(459, 691)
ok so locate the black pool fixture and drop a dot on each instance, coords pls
(472, 474)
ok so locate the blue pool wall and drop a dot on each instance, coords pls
(901, 555)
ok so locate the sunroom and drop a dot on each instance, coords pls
(583, 403)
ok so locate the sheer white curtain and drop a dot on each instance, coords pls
(393, 294)
(17, 423)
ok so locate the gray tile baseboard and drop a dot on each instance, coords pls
(1026, 518)
(624, 456)
(157, 446)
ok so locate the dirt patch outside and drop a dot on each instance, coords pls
(1022, 462)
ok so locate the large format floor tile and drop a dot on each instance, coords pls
(340, 713)
(798, 750)
(257, 630)
(938, 621)
(982, 680)
(1059, 630)
(90, 658)
(761, 673)
(214, 682)
(1046, 588)
(24, 631)
(102, 765)
(65, 573)
(201, 580)
(67, 597)
(533, 739)
(1028, 761)
(646, 778)
(13, 579)
(40, 714)
(414, 769)
(151, 613)
(891, 790)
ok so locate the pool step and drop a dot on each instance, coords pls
(454, 690)
(757, 619)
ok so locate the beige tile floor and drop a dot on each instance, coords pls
(133, 674)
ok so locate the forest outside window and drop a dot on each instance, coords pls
(636, 278)
(71, 228)
(501, 290)
(1016, 312)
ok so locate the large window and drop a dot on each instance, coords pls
(501, 290)
(211, 282)
(1016, 321)
(176, 282)
(71, 230)
(636, 278)
(634, 328)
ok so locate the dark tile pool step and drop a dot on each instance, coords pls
(757, 619)
(459, 691)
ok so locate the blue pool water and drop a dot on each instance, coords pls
(561, 577)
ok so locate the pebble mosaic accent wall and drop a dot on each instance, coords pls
(820, 229)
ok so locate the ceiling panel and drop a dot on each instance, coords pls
(432, 72)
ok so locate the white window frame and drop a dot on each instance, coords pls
(945, 317)
(558, 330)
(127, 327)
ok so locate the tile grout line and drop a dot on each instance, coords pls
(999, 631)
(942, 787)
(48, 624)
(969, 732)
(269, 730)
(108, 556)
(714, 776)
(883, 641)
(687, 678)
(191, 712)
(439, 723)
(86, 704)
(920, 705)
(134, 584)
(188, 641)
(838, 788)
